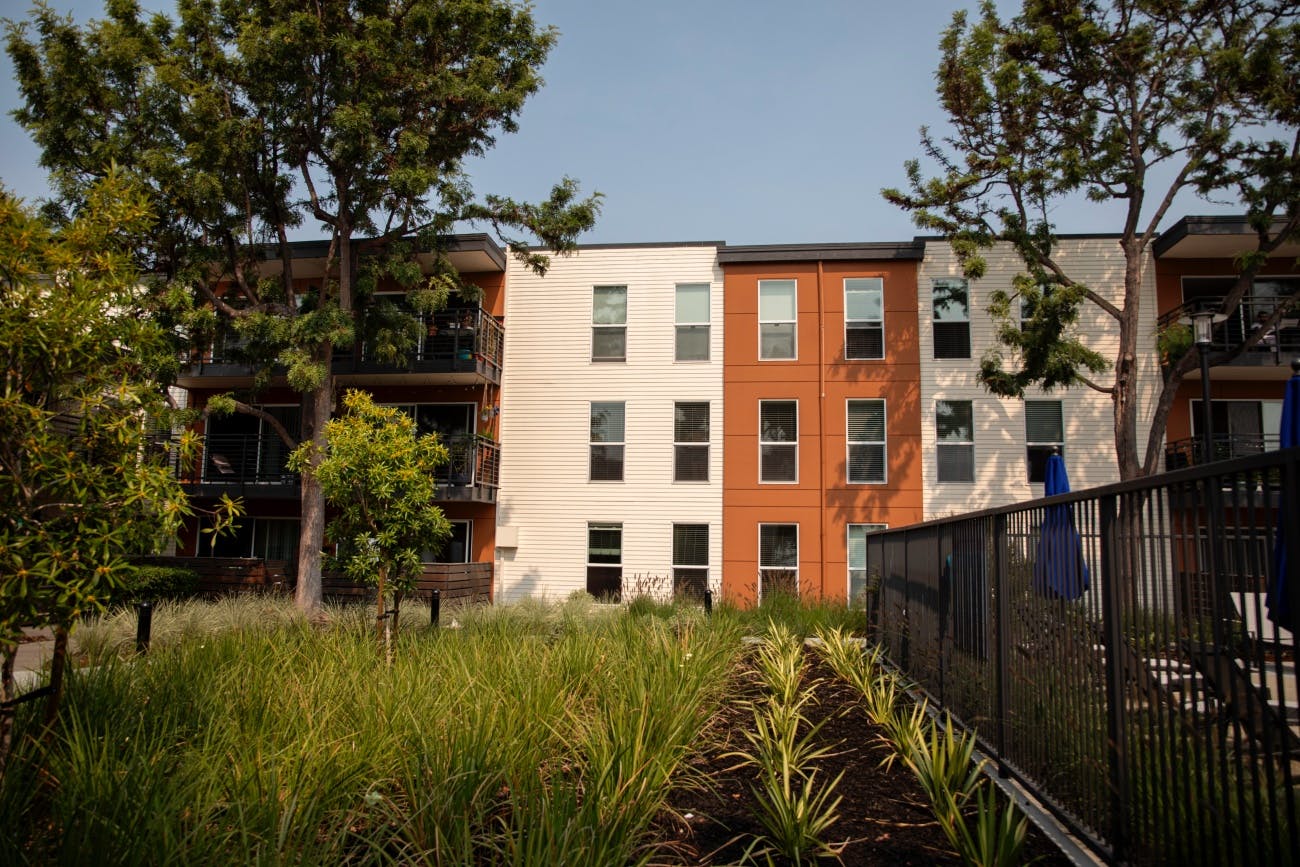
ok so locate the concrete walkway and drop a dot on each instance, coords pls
(29, 663)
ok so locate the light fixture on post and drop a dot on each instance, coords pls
(1202, 327)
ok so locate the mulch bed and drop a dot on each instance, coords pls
(884, 817)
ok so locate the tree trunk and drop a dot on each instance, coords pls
(1125, 396)
(311, 538)
(58, 665)
(6, 713)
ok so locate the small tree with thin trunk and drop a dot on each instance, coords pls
(83, 483)
(378, 477)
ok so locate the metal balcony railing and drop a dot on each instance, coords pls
(1233, 332)
(1191, 452)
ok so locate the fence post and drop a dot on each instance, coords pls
(435, 606)
(1002, 625)
(1113, 638)
(143, 626)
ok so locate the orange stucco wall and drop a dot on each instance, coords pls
(822, 503)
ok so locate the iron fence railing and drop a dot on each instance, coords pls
(1158, 713)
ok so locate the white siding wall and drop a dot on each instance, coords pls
(1001, 476)
(549, 381)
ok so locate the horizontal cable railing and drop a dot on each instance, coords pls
(1244, 322)
(1113, 650)
(1225, 447)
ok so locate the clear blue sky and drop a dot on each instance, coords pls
(748, 121)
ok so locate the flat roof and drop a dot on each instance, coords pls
(821, 252)
(476, 251)
(1213, 237)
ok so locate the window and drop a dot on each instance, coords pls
(951, 319)
(778, 441)
(692, 322)
(691, 442)
(1044, 432)
(866, 437)
(266, 538)
(858, 559)
(690, 560)
(605, 561)
(609, 323)
(864, 318)
(778, 559)
(607, 442)
(455, 549)
(776, 319)
(954, 433)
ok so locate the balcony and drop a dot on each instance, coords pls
(458, 345)
(1276, 347)
(1191, 452)
(254, 467)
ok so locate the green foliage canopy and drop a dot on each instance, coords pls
(378, 476)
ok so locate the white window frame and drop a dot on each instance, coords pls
(934, 320)
(849, 442)
(608, 326)
(794, 287)
(762, 568)
(940, 444)
(705, 324)
(762, 443)
(693, 444)
(849, 568)
(692, 567)
(592, 444)
(1029, 475)
(864, 323)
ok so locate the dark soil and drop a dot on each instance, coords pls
(884, 817)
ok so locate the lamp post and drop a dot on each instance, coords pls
(1202, 326)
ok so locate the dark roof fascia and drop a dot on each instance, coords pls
(821, 252)
(319, 249)
(635, 245)
(1064, 236)
(1220, 224)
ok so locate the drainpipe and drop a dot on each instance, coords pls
(821, 421)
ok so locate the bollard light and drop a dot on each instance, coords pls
(435, 606)
(708, 601)
(143, 626)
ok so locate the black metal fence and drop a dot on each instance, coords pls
(1156, 709)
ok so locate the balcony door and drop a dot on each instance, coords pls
(1241, 427)
(245, 449)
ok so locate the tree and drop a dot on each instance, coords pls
(1129, 102)
(83, 483)
(379, 477)
(246, 119)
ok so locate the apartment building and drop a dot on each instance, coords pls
(979, 450)
(822, 437)
(448, 382)
(1194, 269)
(612, 406)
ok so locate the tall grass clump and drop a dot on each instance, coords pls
(983, 831)
(795, 809)
(528, 736)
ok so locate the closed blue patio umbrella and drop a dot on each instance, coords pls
(1279, 603)
(1059, 570)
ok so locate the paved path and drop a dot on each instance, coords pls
(29, 664)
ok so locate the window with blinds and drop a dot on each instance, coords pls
(690, 560)
(778, 559)
(605, 561)
(864, 318)
(954, 428)
(691, 441)
(778, 440)
(692, 322)
(607, 426)
(857, 557)
(1044, 432)
(609, 323)
(777, 320)
(951, 304)
(866, 441)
